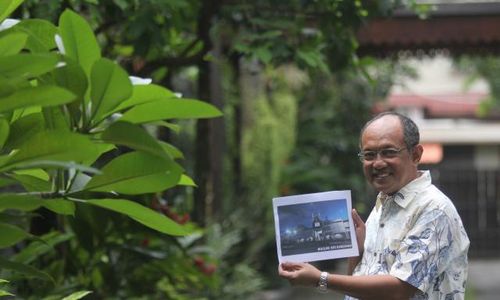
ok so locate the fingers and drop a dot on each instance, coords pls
(288, 270)
(356, 218)
(291, 266)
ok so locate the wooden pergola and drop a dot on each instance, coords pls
(456, 28)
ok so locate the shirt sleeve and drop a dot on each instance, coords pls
(426, 251)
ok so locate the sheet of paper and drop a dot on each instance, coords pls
(313, 227)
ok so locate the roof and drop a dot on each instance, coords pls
(456, 105)
(457, 27)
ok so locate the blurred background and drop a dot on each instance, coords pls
(296, 80)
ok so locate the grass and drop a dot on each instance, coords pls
(470, 293)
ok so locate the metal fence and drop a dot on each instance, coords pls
(476, 195)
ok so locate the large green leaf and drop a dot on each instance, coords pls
(24, 269)
(19, 202)
(141, 214)
(145, 93)
(55, 118)
(12, 43)
(136, 173)
(11, 235)
(45, 95)
(30, 203)
(79, 40)
(170, 109)
(110, 85)
(58, 145)
(7, 7)
(40, 34)
(72, 77)
(60, 206)
(32, 183)
(38, 173)
(23, 129)
(25, 66)
(133, 136)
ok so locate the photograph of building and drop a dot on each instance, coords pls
(314, 227)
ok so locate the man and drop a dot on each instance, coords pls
(413, 245)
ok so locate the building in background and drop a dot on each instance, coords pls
(461, 149)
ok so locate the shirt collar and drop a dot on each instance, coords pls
(404, 196)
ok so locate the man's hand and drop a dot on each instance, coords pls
(360, 228)
(299, 273)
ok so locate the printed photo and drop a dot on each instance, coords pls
(314, 227)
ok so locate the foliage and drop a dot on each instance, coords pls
(157, 39)
(74, 141)
(487, 68)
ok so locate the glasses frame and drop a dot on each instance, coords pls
(362, 154)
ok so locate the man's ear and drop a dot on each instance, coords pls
(417, 152)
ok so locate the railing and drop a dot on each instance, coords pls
(476, 195)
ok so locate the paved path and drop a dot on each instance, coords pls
(484, 279)
(484, 283)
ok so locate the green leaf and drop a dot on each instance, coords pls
(32, 183)
(145, 93)
(12, 43)
(174, 127)
(77, 295)
(136, 173)
(170, 109)
(171, 150)
(60, 206)
(23, 129)
(51, 145)
(141, 214)
(79, 40)
(110, 85)
(264, 54)
(72, 77)
(5, 293)
(186, 180)
(19, 202)
(24, 269)
(11, 235)
(26, 66)
(40, 34)
(4, 131)
(38, 173)
(41, 246)
(133, 136)
(55, 118)
(45, 95)
(7, 7)
(52, 164)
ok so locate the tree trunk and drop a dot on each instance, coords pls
(210, 134)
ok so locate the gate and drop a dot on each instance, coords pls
(476, 195)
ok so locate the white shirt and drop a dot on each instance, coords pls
(417, 236)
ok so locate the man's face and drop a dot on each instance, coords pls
(389, 174)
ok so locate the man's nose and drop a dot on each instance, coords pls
(378, 161)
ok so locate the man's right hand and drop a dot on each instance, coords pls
(359, 227)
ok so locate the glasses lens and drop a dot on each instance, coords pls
(389, 153)
(368, 155)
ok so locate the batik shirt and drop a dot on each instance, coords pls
(417, 236)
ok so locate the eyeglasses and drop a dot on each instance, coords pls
(386, 153)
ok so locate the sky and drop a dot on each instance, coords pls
(290, 216)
